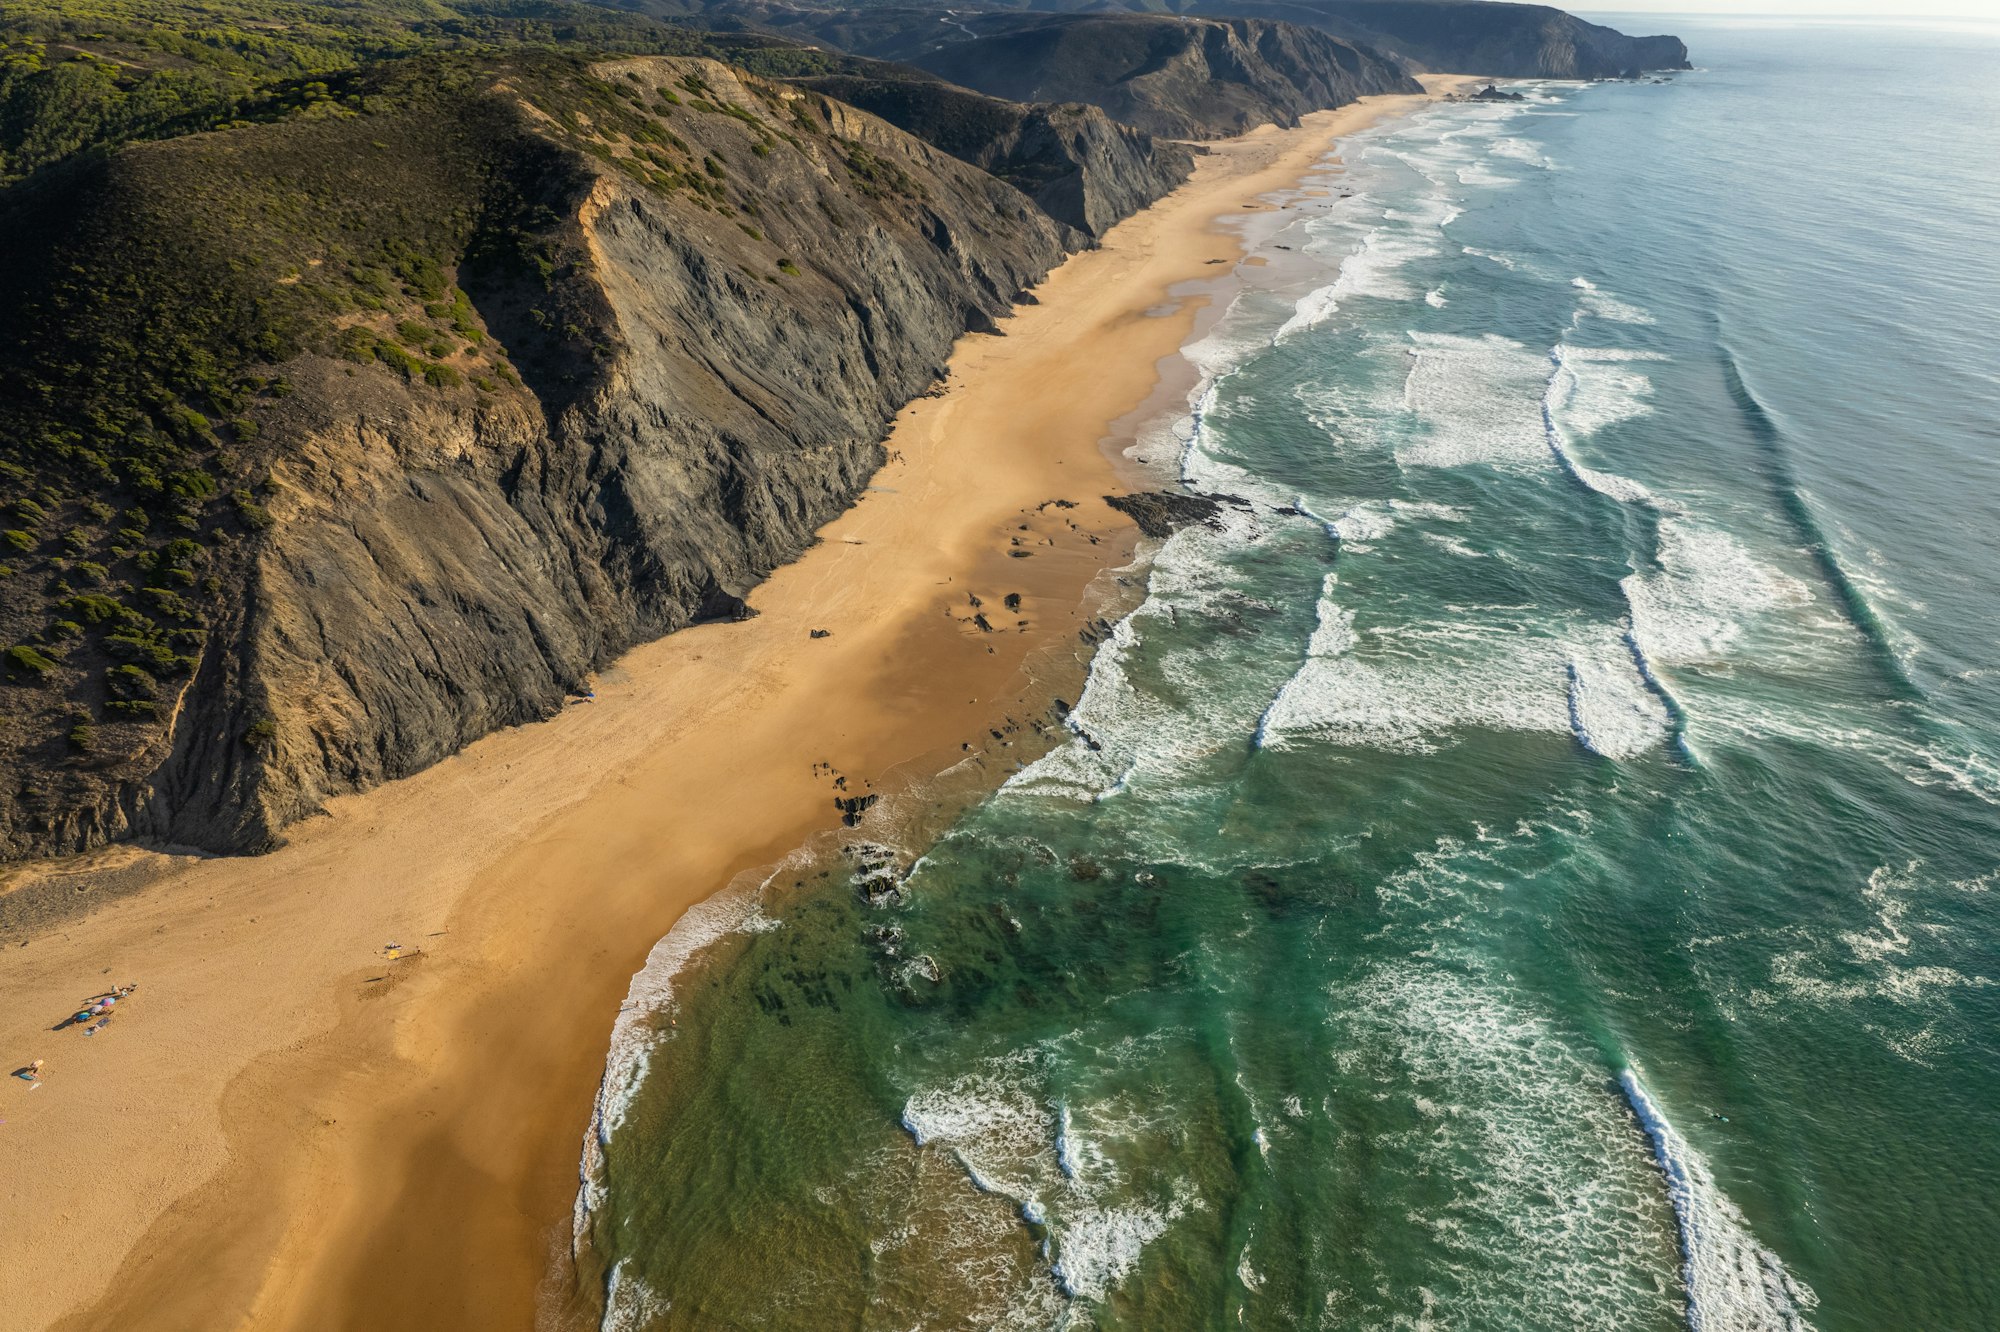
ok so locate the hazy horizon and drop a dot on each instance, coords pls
(1953, 9)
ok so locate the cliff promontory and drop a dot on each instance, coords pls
(1487, 37)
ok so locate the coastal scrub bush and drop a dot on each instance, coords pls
(93, 607)
(25, 660)
(130, 682)
(252, 514)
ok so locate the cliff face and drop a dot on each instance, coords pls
(1454, 36)
(1175, 77)
(658, 345)
(1078, 165)
(1481, 36)
(1180, 78)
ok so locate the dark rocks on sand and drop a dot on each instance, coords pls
(1161, 513)
(853, 807)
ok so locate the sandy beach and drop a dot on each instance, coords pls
(286, 1128)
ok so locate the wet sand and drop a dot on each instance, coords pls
(287, 1129)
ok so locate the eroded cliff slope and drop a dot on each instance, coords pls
(330, 445)
(1077, 164)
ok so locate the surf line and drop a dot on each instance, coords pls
(1558, 389)
(1732, 1283)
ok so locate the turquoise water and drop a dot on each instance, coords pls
(1534, 864)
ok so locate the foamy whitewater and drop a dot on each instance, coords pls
(1528, 863)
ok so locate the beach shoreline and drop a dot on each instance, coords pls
(289, 1128)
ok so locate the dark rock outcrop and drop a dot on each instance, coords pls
(1161, 513)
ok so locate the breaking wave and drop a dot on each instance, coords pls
(1734, 1284)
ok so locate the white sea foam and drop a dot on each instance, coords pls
(1099, 1247)
(1506, 261)
(1878, 965)
(1541, 1211)
(1314, 308)
(630, 1305)
(1610, 717)
(1707, 588)
(1606, 386)
(1416, 686)
(1010, 1143)
(1576, 394)
(1520, 150)
(1733, 1283)
(1597, 303)
(1147, 713)
(1373, 269)
(1066, 1154)
(1334, 634)
(1478, 399)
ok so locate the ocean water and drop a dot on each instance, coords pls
(1533, 864)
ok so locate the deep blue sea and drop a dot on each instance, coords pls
(1533, 864)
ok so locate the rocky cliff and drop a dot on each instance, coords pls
(1478, 36)
(1176, 77)
(1078, 165)
(1455, 36)
(331, 445)
(1181, 78)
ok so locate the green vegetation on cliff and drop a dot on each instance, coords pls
(78, 74)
